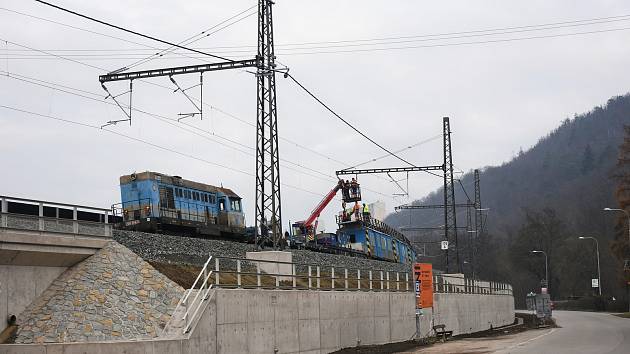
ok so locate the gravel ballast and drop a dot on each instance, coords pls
(195, 251)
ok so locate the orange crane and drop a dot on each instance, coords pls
(351, 193)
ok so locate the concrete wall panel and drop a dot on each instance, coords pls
(329, 334)
(232, 338)
(286, 308)
(402, 328)
(365, 330)
(381, 304)
(348, 332)
(260, 337)
(167, 347)
(381, 330)
(259, 306)
(231, 307)
(260, 321)
(20, 285)
(309, 335)
(308, 305)
(287, 335)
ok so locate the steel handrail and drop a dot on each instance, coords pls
(51, 218)
(205, 266)
(304, 264)
(51, 203)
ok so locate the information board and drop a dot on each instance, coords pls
(423, 277)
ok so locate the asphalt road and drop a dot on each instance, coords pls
(580, 333)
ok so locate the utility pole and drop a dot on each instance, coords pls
(268, 206)
(478, 217)
(268, 202)
(450, 215)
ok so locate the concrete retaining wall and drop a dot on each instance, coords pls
(261, 321)
(294, 321)
(469, 313)
(20, 285)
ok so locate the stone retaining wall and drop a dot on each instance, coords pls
(112, 295)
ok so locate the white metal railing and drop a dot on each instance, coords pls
(458, 283)
(54, 224)
(233, 272)
(195, 305)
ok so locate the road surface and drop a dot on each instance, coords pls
(580, 332)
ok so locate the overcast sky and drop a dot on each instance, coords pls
(501, 95)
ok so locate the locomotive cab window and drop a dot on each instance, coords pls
(235, 204)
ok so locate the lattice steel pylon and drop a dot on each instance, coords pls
(268, 207)
(470, 241)
(478, 217)
(450, 215)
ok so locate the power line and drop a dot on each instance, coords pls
(157, 146)
(398, 151)
(458, 43)
(149, 47)
(603, 19)
(388, 40)
(345, 121)
(173, 123)
(130, 31)
(192, 39)
(227, 114)
(436, 45)
(169, 121)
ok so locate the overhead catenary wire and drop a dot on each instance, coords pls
(287, 74)
(422, 142)
(173, 122)
(50, 52)
(388, 40)
(149, 82)
(157, 146)
(182, 47)
(131, 31)
(201, 35)
(213, 107)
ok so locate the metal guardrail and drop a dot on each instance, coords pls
(232, 272)
(451, 283)
(39, 222)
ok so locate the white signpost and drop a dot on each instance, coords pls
(444, 245)
(595, 283)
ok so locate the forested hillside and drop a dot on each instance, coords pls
(544, 198)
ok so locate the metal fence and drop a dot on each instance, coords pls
(457, 283)
(38, 221)
(231, 272)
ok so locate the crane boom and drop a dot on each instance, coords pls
(322, 205)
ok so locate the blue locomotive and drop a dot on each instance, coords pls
(155, 202)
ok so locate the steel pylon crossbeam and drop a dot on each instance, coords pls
(390, 170)
(431, 206)
(268, 223)
(179, 70)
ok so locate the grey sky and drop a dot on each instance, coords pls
(500, 96)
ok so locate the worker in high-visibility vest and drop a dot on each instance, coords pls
(366, 212)
(356, 209)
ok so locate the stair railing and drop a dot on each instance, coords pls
(194, 306)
